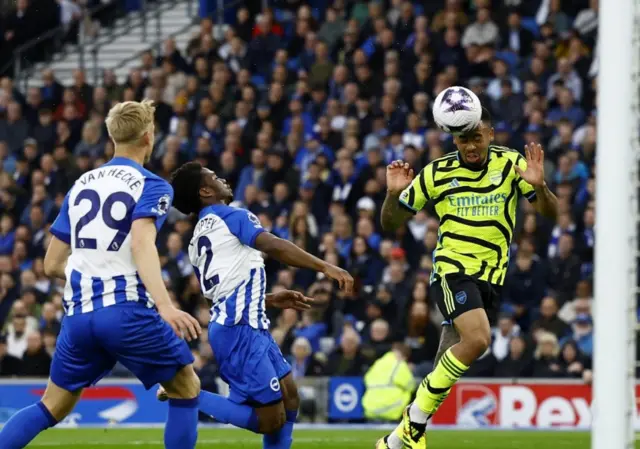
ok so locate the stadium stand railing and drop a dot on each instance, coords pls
(145, 28)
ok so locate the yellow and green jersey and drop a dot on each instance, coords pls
(477, 211)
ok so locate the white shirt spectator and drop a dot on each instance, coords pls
(69, 11)
(500, 344)
(571, 80)
(415, 139)
(587, 20)
(16, 345)
(481, 32)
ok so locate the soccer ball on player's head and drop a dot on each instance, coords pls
(457, 110)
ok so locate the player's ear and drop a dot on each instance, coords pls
(491, 134)
(205, 192)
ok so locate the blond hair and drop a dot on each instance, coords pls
(547, 337)
(127, 122)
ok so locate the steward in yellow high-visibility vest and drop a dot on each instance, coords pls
(389, 385)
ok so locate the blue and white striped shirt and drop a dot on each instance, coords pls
(95, 220)
(229, 268)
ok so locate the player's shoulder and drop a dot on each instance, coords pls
(505, 152)
(228, 214)
(448, 160)
(219, 210)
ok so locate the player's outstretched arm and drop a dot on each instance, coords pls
(55, 260)
(546, 203)
(288, 299)
(399, 177)
(286, 252)
(145, 256)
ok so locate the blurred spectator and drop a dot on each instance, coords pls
(518, 362)
(546, 362)
(15, 129)
(582, 334)
(481, 32)
(348, 360)
(9, 364)
(35, 360)
(422, 337)
(506, 330)
(389, 385)
(303, 361)
(549, 320)
(564, 270)
(573, 362)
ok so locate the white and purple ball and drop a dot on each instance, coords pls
(457, 110)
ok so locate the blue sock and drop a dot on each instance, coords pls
(25, 425)
(283, 438)
(225, 411)
(181, 431)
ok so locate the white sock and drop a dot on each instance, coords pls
(394, 441)
(416, 415)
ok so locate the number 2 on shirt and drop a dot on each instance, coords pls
(207, 284)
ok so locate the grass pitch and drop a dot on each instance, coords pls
(321, 439)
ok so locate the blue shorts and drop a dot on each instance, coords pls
(250, 362)
(91, 343)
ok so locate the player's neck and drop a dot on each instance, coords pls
(135, 154)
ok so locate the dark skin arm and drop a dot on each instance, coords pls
(393, 215)
(286, 252)
(546, 203)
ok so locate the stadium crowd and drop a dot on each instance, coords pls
(300, 108)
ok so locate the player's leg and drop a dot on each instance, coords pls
(144, 343)
(245, 358)
(181, 430)
(460, 300)
(448, 337)
(475, 337)
(77, 363)
(24, 426)
(283, 437)
(232, 347)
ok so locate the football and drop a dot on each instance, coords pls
(457, 110)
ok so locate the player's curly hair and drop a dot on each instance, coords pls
(186, 182)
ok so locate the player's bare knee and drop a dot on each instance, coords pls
(291, 399)
(185, 385)
(271, 418)
(59, 402)
(478, 342)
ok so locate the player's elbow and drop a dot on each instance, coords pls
(50, 267)
(268, 243)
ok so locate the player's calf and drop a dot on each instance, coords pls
(58, 401)
(25, 425)
(283, 437)
(181, 431)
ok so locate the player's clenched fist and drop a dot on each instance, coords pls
(182, 323)
(399, 176)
